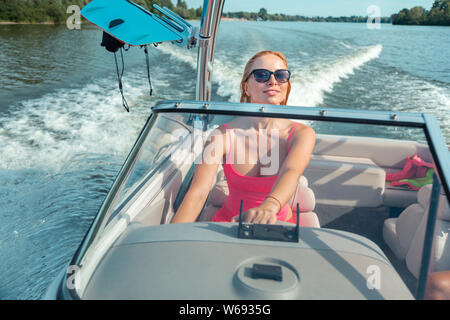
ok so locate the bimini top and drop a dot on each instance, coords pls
(134, 25)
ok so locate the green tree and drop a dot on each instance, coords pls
(439, 14)
(55, 13)
(181, 4)
(262, 14)
(438, 4)
(417, 15)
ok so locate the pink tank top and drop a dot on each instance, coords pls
(253, 190)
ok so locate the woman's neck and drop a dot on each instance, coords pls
(259, 123)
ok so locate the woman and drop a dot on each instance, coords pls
(265, 192)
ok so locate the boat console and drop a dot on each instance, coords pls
(209, 261)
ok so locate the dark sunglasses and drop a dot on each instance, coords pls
(263, 75)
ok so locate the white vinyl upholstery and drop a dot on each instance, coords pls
(405, 235)
(406, 226)
(346, 181)
(349, 171)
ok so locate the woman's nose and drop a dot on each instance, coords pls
(272, 80)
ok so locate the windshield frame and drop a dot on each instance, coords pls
(427, 122)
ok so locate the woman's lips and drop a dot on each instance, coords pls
(271, 92)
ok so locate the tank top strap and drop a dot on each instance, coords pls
(230, 141)
(290, 134)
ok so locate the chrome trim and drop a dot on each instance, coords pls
(428, 240)
(212, 12)
(439, 150)
(298, 112)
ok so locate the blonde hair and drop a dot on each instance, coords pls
(248, 69)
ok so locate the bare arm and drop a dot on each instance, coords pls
(302, 145)
(203, 179)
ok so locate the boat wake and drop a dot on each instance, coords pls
(310, 84)
(48, 131)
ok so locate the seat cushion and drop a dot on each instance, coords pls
(305, 198)
(309, 219)
(398, 196)
(346, 181)
(424, 196)
(440, 257)
(407, 224)
(391, 238)
(219, 193)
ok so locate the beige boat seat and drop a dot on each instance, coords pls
(304, 196)
(405, 235)
(346, 181)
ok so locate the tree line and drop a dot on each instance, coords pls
(438, 15)
(55, 11)
(37, 10)
(262, 15)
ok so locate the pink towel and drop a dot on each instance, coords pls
(414, 167)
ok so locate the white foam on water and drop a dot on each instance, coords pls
(48, 131)
(303, 53)
(226, 75)
(309, 85)
(228, 78)
(421, 96)
(187, 56)
(345, 45)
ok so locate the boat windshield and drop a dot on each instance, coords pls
(372, 180)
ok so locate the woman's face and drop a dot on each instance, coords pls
(270, 92)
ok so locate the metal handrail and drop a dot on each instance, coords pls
(211, 14)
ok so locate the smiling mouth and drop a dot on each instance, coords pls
(271, 92)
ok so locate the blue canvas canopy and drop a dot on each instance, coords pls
(133, 24)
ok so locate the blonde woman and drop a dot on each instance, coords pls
(265, 188)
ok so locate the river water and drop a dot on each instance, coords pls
(64, 133)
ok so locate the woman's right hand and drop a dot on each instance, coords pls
(266, 213)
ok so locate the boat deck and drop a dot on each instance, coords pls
(367, 222)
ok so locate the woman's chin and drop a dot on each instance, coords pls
(269, 100)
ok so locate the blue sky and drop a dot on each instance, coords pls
(318, 7)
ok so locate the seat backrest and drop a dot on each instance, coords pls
(406, 227)
(440, 256)
(304, 196)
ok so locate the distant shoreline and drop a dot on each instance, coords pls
(13, 22)
(222, 19)
(226, 19)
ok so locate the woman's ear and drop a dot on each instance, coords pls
(246, 89)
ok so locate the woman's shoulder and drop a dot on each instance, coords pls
(233, 123)
(301, 130)
(298, 126)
